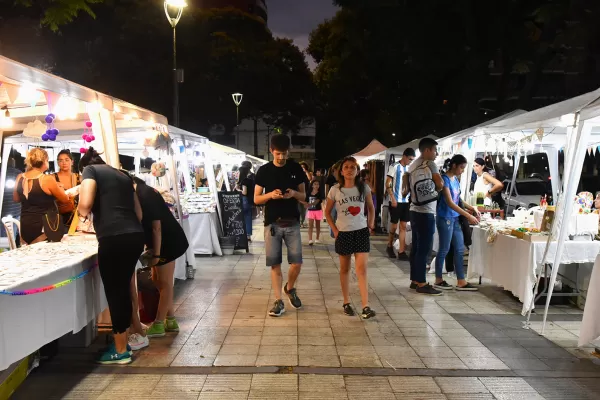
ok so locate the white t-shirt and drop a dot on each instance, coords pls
(350, 207)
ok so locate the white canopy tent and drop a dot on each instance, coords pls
(366, 154)
(573, 124)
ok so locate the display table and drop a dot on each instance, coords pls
(590, 326)
(511, 263)
(493, 213)
(204, 237)
(31, 321)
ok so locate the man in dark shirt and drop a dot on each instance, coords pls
(280, 185)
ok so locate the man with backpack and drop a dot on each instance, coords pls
(423, 182)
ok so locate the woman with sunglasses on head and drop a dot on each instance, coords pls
(67, 179)
(352, 230)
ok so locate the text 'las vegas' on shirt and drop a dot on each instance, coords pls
(396, 172)
(350, 207)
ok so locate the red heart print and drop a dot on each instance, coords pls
(354, 211)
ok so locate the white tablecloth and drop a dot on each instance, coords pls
(204, 236)
(590, 327)
(29, 322)
(511, 263)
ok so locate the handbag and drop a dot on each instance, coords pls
(70, 205)
(54, 229)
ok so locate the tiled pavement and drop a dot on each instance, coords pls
(458, 346)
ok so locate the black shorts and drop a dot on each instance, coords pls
(353, 242)
(399, 213)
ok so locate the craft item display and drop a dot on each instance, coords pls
(31, 262)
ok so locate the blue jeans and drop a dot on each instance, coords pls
(277, 233)
(450, 232)
(423, 229)
(247, 208)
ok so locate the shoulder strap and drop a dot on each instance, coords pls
(56, 176)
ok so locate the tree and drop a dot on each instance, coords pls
(438, 66)
(55, 13)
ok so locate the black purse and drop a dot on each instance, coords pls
(465, 227)
(54, 229)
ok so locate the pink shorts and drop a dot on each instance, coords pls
(316, 215)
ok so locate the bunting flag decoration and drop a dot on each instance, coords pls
(43, 289)
(470, 142)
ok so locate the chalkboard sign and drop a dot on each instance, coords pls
(232, 218)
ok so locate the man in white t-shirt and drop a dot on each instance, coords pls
(399, 205)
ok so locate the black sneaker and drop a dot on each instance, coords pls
(403, 256)
(367, 313)
(278, 309)
(390, 252)
(443, 286)
(428, 290)
(467, 288)
(293, 297)
(348, 310)
(413, 286)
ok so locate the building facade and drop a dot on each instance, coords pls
(303, 142)
(254, 7)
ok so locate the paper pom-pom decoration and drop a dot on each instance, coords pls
(88, 124)
(45, 137)
(51, 131)
(158, 169)
(88, 139)
(83, 150)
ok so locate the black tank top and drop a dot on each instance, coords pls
(37, 201)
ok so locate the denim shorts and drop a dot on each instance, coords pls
(275, 236)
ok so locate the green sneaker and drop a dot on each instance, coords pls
(172, 325)
(112, 357)
(157, 329)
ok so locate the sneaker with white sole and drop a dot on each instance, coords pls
(310, 242)
(138, 342)
(317, 241)
(443, 285)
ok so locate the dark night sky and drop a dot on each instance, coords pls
(295, 19)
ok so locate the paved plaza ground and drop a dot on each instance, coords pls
(457, 346)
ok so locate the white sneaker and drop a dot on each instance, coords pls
(317, 241)
(138, 342)
(310, 242)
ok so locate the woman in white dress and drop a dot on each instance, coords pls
(485, 182)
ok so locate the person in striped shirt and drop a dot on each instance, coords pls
(399, 206)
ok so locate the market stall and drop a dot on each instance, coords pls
(373, 148)
(200, 203)
(51, 289)
(226, 160)
(573, 124)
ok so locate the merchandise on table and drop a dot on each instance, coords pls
(196, 203)
(29, 262)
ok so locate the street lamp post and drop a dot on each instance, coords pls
(237, 100)
(178, 6)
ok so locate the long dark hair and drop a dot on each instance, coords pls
(481, 161)
(455, 161)
(91, 157)
(312, 184)
(244, 172)
(357, 182)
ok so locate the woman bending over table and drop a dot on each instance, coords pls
(165, 238)
(37, 194)
(109, 195)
